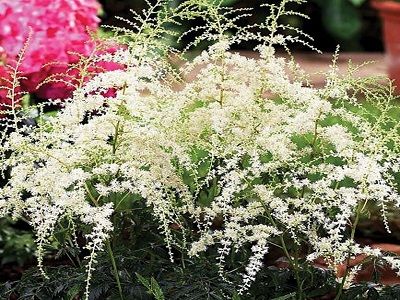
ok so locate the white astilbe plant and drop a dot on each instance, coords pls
(68, 166)
(286, 159)
(248, 154)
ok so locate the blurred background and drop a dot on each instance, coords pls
(352, 24)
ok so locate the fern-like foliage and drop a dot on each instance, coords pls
(12, 117)
(280, 33)
(149, 32)
(84, 68)
(11, 86)
(220, 23)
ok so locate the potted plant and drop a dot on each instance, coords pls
(390, 14)
(172, 183)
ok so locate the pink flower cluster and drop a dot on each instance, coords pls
(59, 28)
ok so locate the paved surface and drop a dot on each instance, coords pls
(314, 63)
(317, 64)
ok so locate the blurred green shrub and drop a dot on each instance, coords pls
(341, 17)
(16, 243)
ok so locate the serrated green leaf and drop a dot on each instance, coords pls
(73, 292)
(156, 290)
(143, 281)
(286, 297)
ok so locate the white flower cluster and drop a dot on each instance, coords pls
(250, 155)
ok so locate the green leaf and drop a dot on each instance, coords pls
(235, 296)
(143, 281)
(204, 168)
(285, 297)
(156, 290)
(204, 199)
(73, 292)
(152, 286)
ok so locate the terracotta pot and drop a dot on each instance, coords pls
(388, 276)
(390, 14)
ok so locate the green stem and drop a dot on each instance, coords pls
(115, 269)
(222, 90)
(352, 235)
(115, 139)
(297, 269)
(295, 266)
(315, 138)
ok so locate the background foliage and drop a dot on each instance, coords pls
(353, 24)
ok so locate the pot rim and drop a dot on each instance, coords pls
(387, 6)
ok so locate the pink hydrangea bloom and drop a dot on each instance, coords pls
(69, 75)
(58, 28)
